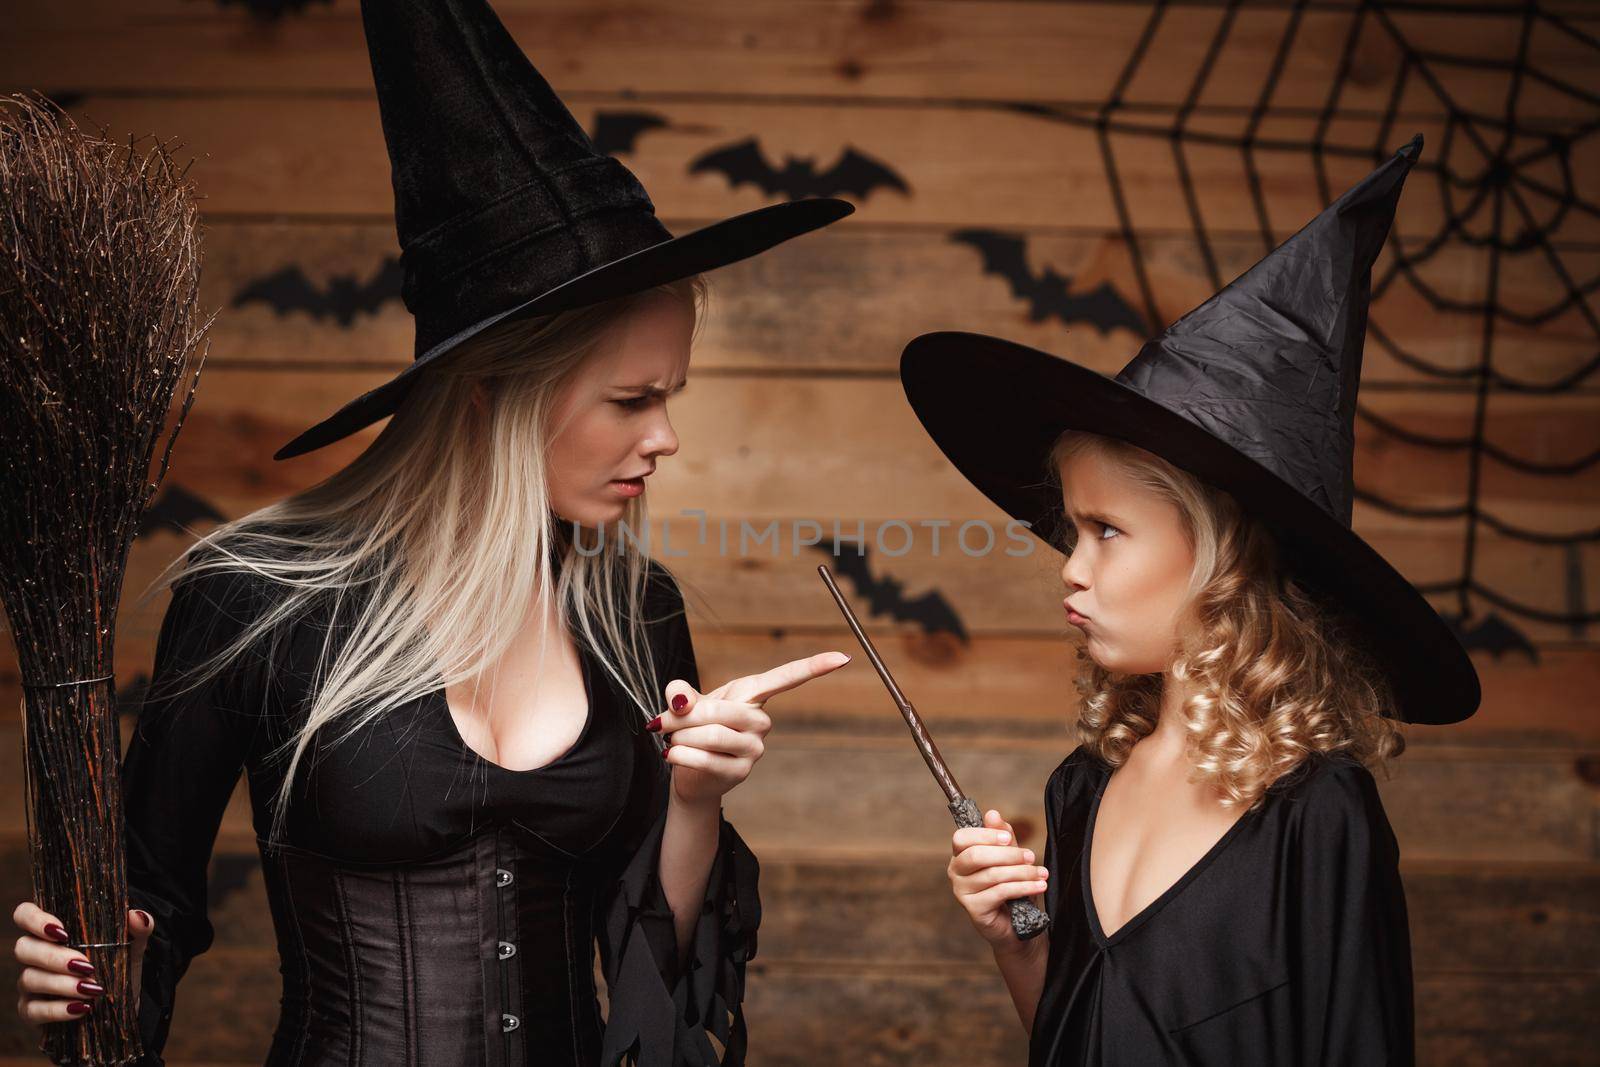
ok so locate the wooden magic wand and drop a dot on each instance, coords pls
(1026, 919)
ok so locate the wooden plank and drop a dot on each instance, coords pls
(847, 299)
(854, 793)
(1467, 1020)
(881, 467)
(744, 583)
(1072, 52)
(996, 681)
(1021, 686)
(760, 573)
(747, 449)
(761, 578)
(324, 156)
(890, 922)
(1465, 918)
(858, 793)
(804, 1014)
(1474, 920)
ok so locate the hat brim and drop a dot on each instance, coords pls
(995, 408)
(716, 245)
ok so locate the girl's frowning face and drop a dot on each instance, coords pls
(1129, 566)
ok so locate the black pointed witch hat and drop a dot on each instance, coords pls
(503, 204)
(1254, 392)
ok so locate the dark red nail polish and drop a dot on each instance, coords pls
(679, 701)
(654, 725)
(91, 989)
(77, 1007)
(57, 932)
(149, 920)
(81, 967)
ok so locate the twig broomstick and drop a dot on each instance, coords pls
(99, 286)
(1026, 919)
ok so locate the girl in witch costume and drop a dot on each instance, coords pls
(451, 708)
(1222, 881)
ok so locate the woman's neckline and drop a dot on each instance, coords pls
(590, 714)
(1134, 921)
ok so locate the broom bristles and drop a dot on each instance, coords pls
(99, 324)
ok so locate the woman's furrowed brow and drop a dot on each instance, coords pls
(651, 389)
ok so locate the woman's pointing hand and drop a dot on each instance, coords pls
(717, 737)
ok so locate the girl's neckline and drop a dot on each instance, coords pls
(1138, 919)
(590, 714)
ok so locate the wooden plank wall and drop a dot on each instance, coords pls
(795, 414)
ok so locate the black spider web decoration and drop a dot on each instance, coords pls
(1488, 165)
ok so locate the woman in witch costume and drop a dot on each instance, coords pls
(1222, 881)
(451, 708)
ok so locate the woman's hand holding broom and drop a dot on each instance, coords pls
(57, 983)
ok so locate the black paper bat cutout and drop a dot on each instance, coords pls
(176, 509)
(342, 299)
(884, 596)
(855, 174)
(616, 132)
(1492, 634)
(270, 10)
(1047, 292)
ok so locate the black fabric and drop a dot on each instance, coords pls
(1288, 942)
(504, 207)
(1253, 392)
(431, 907)
(490, 169)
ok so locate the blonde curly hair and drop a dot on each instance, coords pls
(1275, 675)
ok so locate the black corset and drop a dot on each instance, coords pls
(485, 955)
(432, 908)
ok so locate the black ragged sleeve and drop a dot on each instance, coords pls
(178, 773)
(1352, 972)
(663, 1014)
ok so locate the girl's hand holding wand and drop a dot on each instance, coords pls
(990, 874)
(987, 870)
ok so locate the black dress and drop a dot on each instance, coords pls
(1287, 943)
(432, 908)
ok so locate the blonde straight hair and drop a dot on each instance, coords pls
(444, 540)
(1277, 675)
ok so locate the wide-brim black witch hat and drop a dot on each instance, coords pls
(1252, 392)
(503, 205)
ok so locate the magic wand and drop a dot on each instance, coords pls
(1026, 919)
